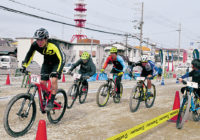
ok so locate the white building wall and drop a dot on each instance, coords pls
(78, 47)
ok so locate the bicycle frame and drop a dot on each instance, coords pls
(141, 84)
(110, 81)
(192, 94)
(40, 87)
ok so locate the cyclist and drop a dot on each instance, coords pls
(195, 74)
(54, 60)
(118, 67)
(87, 68)
(149, 70)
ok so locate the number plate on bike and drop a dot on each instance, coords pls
(35, 78)
(140, 78)
(77, 76)
(192, 84)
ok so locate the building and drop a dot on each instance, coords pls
(6, 47)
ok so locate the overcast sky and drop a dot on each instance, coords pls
(161, 20)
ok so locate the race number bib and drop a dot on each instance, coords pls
(35, 79)
(192, 84)
(140, 78)
(76, 76)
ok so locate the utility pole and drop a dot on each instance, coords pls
(91, 45)
(126, 45)
(179, 43)
(141, 29)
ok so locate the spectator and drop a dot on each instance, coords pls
(159, 73)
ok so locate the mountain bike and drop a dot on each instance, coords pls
(76, 90)
(139, 94)
(20, 112)
(107, 90)
(190, 103)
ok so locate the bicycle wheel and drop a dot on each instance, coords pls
(135, 99)
(102, 95)
(82, 95)
(19, 115)
(117, 100)
(183, 111)
(55, 115)
(196, 113)
(150, 100)
(72, 95)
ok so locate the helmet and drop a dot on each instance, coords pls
(41, 34)
(196, 63)
(144, 58)
(85, 55)
(113, 50)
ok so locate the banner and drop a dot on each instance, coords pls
(168, 60)
(184, 56)
(161, 56)
(172, 62)
(195, 54)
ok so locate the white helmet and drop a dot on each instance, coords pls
(144, 58)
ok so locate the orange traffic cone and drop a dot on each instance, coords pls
(49, 84)
(63, 79)
(8, 80)
(41, 131)
(176, 106)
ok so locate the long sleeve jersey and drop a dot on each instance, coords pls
(150, 66)
(195, 74)
(118, 64)
(53, 54)
(86, 69)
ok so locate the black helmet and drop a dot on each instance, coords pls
(196, 63)
(41, 34)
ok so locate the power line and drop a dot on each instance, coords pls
(56, 14)
(29, 6)
(68, 24)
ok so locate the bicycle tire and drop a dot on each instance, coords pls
(183, 111)
(13, 103)
(71, 98)
(50, 114)
(105, 93)
(148, 102)
(82, 96)
(117, 100)
(135, 96)
(196, 113)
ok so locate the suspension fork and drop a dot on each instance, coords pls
(31, 98)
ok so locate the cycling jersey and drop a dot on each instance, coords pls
(195, 74)
(86, 69)
(149, 68)
(53, 55)
(118, 64)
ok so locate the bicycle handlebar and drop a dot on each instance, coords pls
(82, 77)
(183, 81)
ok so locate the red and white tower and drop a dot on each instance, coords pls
(80, 19)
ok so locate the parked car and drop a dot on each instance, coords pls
(67, 67)
(8, 62)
